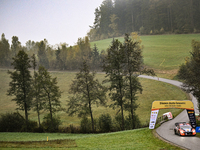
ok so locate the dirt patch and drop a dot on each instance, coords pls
(38, 144)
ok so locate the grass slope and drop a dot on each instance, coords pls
(131, 139)
(152, 90)
(161, 52)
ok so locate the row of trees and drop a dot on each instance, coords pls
(60, 58)
(122, 65)
(37, 92)
(114, 18)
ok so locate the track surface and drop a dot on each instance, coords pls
(166, 130)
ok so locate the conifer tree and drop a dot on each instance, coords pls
(20, 85)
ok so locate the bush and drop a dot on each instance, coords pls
(129, 124)
(31, 126)
(70, 129)
(86, 125)
(11, 122)
(117, 123)
(142, 30)
(50, 125)
(162, 31)
(105, 123)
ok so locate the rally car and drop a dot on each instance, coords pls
(183, 128)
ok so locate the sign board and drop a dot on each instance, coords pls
(192, 118)
(181, 104)
(198, 129)
(173, 104)
(153, 119)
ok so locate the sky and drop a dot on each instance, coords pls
(57, 21)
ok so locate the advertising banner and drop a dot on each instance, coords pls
(182, 104)
(192, 118)
(173, 104)
(153, 117)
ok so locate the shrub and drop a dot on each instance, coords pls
(117, 123)
(11, 122)
(51, 125)
(142, 30)
(70, 129)
(129, 124)
(32, 126)
(85, 125)
(105, 123)
(162, 31)
(156, 31)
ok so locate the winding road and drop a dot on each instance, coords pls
(166, 129)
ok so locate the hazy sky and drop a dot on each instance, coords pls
(58, 21)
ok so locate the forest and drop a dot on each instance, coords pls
(149, 17)
(63, 57)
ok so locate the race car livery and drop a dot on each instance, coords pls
(183, 128)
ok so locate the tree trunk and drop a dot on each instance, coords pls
(131, 89)
(50, 109)
(88, 94)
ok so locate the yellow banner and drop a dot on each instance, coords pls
(182, 104)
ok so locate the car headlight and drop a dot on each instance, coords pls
(193, 131)
(181, 132)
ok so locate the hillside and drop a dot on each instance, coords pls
(152, 90)
(164, 53)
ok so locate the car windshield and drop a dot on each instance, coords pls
(185, 126)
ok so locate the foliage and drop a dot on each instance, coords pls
(50, 92)
(38, 103)
(145, 16)
(11, 122)
(85, 125)
(4, 52)
(16, 45)
(189, 72)
(86, 92)
(122, 65)
(43, 60)
(113, 65)
(105, 123)
(20, 86)
(51, 124)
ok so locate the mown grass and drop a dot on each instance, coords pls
(164, 53)
(152, 90)
(130, 139)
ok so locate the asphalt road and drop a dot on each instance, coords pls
(166, 129)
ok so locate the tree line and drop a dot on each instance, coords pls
(122, 64)
(60, 57)
(114, 18)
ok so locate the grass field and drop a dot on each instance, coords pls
(164, 53)
(131, 139)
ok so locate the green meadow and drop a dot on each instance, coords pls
(163, 53)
